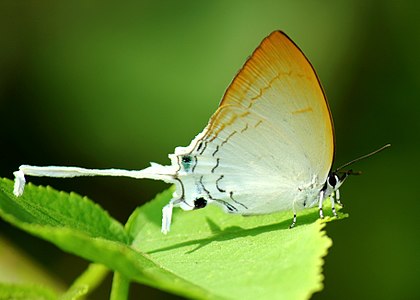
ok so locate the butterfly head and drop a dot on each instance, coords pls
(336, 179)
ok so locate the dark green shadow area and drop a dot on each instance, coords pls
(237, 232)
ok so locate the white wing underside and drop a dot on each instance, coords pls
(263, 163)
(269, 146)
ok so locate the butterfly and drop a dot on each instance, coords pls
(269, 146)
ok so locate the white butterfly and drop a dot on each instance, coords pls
(269, 146)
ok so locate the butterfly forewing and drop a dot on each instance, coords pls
(271, 137)
(279, 85)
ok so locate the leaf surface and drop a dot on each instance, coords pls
(207, 255)
(236, 257)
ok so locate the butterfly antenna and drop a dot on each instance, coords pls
(363, 157)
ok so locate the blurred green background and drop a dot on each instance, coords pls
(101, 84)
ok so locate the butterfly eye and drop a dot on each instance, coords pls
(332, 180)
(200, 203)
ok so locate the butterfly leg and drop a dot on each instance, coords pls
(167, 217)
(321, 200)
(294, 221)
(294, 216)
(337, 197)
(333, 205)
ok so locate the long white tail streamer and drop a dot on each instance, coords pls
(155, 171)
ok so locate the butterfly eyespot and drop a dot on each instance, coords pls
(200, 203)
(186, 159)
(186, 162)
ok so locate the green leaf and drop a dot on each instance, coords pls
(44, 206)
(207, 255)
(24, 292)
(78, 226)
(236, 257)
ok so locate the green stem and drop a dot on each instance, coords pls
(86, 282)
(120, 287)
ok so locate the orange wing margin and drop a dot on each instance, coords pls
(276, 56)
